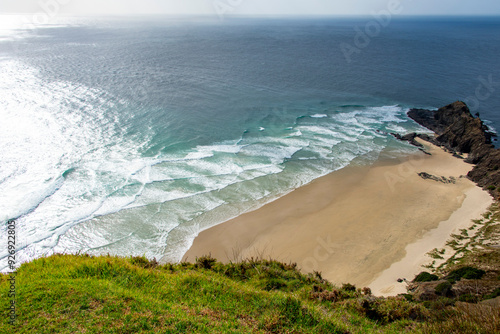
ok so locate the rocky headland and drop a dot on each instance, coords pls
(461, 133)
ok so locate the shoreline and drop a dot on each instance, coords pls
(356, 224)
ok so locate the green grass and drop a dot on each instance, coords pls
(85, 294)
(105, 294)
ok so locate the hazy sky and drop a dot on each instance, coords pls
(252, 7)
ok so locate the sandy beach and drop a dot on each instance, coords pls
(367, 225)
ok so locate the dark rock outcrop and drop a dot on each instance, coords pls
(460, 132)
(442, 179)
(457, 130)
(409, 138)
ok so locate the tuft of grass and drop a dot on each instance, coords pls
(430, 266)
(205, 262)
(453, 244)
(436, 253)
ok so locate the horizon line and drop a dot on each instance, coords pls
(234, 15)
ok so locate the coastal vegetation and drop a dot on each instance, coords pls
(107, 294)
(465, 287)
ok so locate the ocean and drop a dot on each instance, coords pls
(129, 136)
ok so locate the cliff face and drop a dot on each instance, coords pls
(458, 131)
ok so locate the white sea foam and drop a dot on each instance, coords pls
(297, 133)
(49, 129)
(199, 155)
(396, 128)
(276, 154)
(490, 126)
(318, 130)
(70, 130)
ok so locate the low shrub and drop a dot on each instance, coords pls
(465, 272)
(143, 262)
(444, 288)
(407, 296)
(425, 277)
(348, 287)
(439, 304)
(329, 294)
(492, 295)
(468, 298)
(388, 310)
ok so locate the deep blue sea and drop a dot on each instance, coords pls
(130, 136)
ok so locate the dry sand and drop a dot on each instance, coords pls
(365, 225)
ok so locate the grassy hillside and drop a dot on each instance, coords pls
(105, 294)
(85, 294)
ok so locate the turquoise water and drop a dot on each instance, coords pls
(129, 136)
